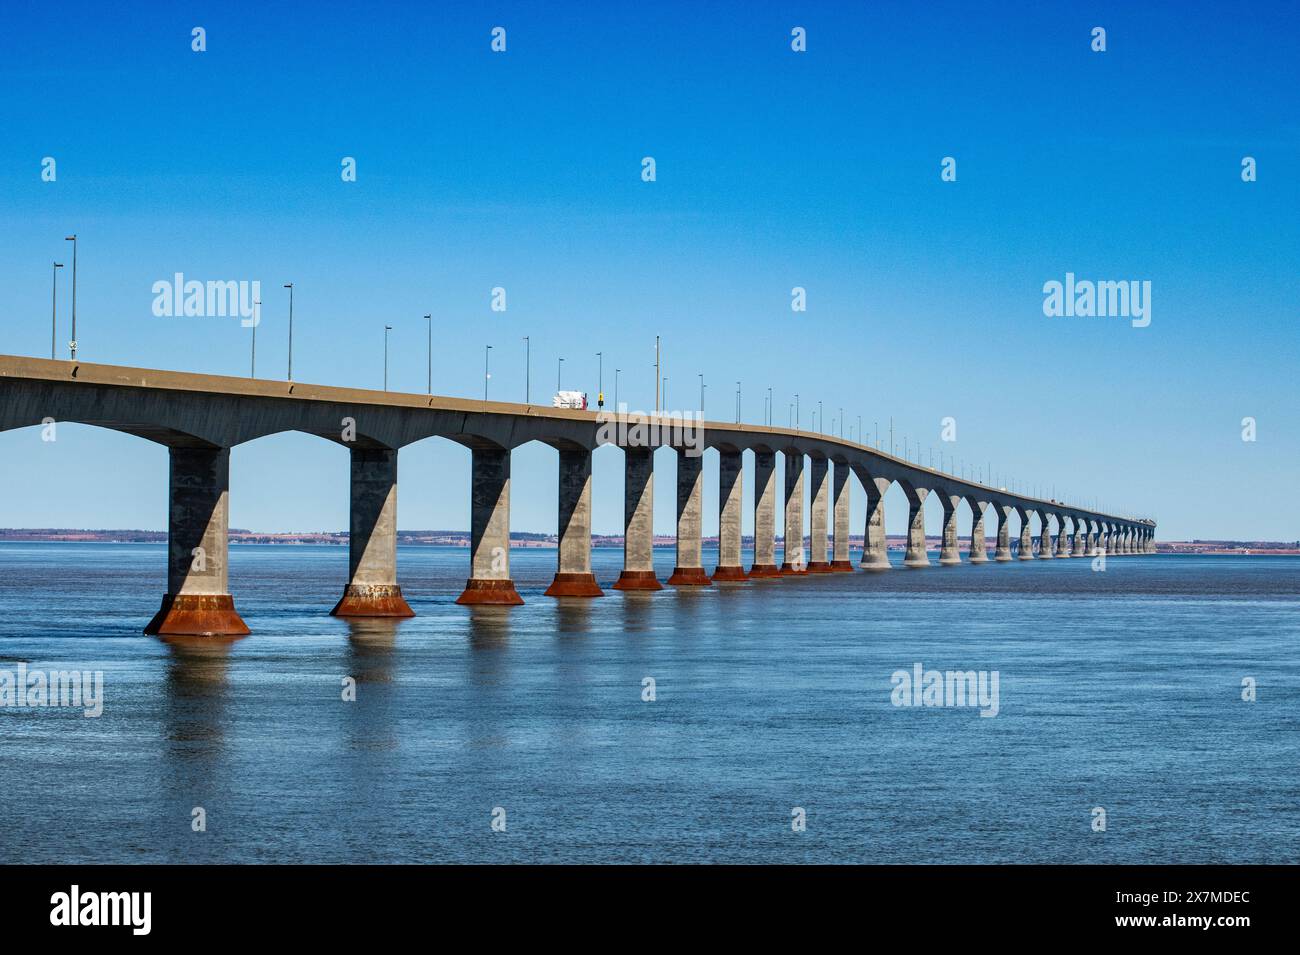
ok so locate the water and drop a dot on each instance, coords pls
(1119, 690)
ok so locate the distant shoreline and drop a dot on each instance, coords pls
(523, 539)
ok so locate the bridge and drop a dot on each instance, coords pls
(201, 417)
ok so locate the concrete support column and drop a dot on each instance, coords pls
(689, 571)
(1062, 542)
(979, 548)
(819, 518)
(1080, 536)
(764, 515)
(916, 556)
(1045, 536)
(795, 560)
(731, 487)
(948, 553)
(638, 521)
(1151, 540)
(573, 576)
(840, 562)
(198, 601)
(1128, 540)
(489, 530)
(1094, 529)
(1003, 514)
(1026, 538)
(372, 589)
(875, 547)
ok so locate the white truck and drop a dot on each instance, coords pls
(570, 399)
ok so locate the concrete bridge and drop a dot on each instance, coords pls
(201, 417)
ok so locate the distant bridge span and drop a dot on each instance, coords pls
(201, 417)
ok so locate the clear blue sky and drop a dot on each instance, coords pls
(775, 169)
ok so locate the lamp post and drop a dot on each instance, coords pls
(737, 402)
(528, 370)
(821, 418)
(429, 320)
(616, 373)
(54, 306)
(72, 344)
(798, 422)
(770, 412)
(559, 373)
(387, 329)
(600, 379)
(487, 372)
(701, 395)
(257, 318)
(289, 286)
(665, 394)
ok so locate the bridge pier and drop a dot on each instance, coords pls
(198, 600)
(875, 546)
(979, 549)
(764, 515)
(689, 571)
(1045, 536)
(638, 521)
(573, 576)
(1003, 514)
(948, 552)
(372, 589)
(731, 487)
(840, 561)
(489, 530)
(1062, 548)
(819, 518)
(795, 560)
(916, 557)
(1026, 536)
(1079, 537)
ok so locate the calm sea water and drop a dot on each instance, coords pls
(1119, 690)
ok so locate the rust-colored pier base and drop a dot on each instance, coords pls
(197, 615)
(638, 580)
(498, 592)
(842, 567)
(820, 567)
(574, 585)
(788, 570)
(762, 571)
(689, 577)
(730, 573)
(372, 600)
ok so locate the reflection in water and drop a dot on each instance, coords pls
(489, 627)
(573, 615)
(371, 645)
(197, 688)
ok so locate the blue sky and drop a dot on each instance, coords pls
(775, 169)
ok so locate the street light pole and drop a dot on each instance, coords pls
(72, 345)
(798, 422)
(616, 371)
(559, 372)
(487, 372)
(528, 370)
(257, 318)
(701, 396)
(600, 379)
(387, 329)
(289, 286)
(429, 319)
(737, 402)
(54, 307)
